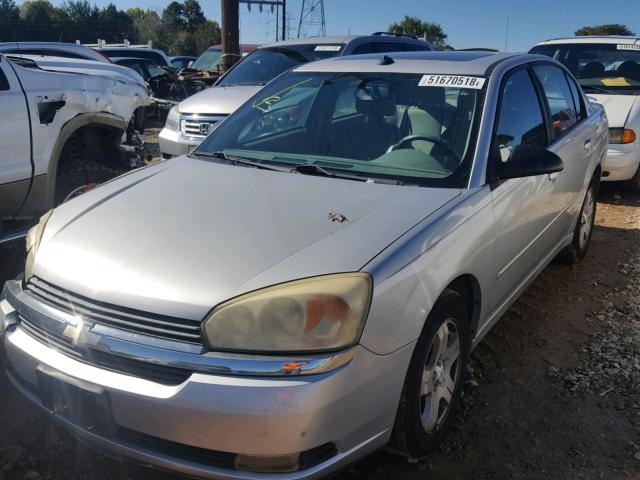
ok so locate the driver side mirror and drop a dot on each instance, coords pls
(529, 161)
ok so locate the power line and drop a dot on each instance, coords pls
(312, 20)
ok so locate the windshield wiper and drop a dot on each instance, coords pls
(239, 161)
(318, 171)
(601, 90)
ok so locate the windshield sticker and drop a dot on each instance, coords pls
(327, 48)
(460, 81)
(266, 104)
(628, 46)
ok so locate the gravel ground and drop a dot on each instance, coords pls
(554, 391)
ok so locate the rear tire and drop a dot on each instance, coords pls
(583, 231)
(432, 389)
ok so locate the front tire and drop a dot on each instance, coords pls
(432, 389)
(583, 231)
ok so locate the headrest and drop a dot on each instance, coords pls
(630, 69)
(592, 69)
(375, 98)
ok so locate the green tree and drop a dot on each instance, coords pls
(608, 29)
(9, 11)
(37, 11)
(433, 32)
(146, 24)
(80, 11)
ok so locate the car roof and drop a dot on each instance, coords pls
(313, 41)
(447, 62)
(615, 39)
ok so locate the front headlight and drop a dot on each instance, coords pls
(33, 242)
(173, 120)
(315, 314)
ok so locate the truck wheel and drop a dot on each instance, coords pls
(581, 240)
(77, 178)
(433, 386)
(633, 184)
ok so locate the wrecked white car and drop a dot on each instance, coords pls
(62, 130)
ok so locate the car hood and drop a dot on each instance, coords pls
(218, 100)
(88, 67)
(180, 237)
(617, 107)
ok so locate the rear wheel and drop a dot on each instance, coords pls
(433, 386)
(579, 246)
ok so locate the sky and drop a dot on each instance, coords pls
(469, 23)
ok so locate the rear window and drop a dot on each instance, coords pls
(123, 52)
(263, 65)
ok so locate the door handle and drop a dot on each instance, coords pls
(587, 144)
(553, 177)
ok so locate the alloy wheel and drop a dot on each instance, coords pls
(440, 376)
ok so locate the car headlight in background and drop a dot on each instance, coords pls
(315, 314)
(621, 135)
(173, 120)
(33, 242)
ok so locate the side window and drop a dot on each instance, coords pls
(577, 98)
(520, 119)
(361, 49)
(556, 89)
(415, 47)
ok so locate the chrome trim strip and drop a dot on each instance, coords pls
(176, 354)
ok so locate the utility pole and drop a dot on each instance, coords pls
(230, 33)
(273, 4)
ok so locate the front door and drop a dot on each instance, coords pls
(15, 153)
(525, 208)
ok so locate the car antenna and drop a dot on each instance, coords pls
(386, 60)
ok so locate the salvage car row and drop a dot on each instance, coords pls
(349, 231)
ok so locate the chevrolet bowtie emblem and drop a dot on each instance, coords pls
(81, 334)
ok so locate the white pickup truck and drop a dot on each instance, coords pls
(61, 131)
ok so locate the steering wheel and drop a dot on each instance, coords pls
(412, 138)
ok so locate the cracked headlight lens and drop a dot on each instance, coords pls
(33, 242)
(315, 314)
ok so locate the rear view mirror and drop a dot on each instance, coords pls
(529, 161)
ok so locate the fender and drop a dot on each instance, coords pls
(42, 194)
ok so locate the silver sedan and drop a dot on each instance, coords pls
(307, 286)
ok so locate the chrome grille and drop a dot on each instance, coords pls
(197, 127)
(163, 326)
(163, 374)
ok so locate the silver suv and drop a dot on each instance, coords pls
(191, 121)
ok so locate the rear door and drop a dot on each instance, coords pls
(15, 147)
(524, 208)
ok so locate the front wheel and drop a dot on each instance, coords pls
(433, 386)
(581, 240)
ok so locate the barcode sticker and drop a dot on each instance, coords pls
(327, 48)
(628, 46)
(459, 81)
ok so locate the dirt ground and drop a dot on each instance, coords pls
(554, 391)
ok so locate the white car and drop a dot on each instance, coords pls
(190, 122)
(608, 70)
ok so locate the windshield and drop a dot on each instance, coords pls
(209, 60)
(263, 65)
(599, 68)
(378, 126)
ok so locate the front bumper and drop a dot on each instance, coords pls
(177, 426)
(173, 145)
(621, 163)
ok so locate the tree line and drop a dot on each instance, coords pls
(181, 29)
